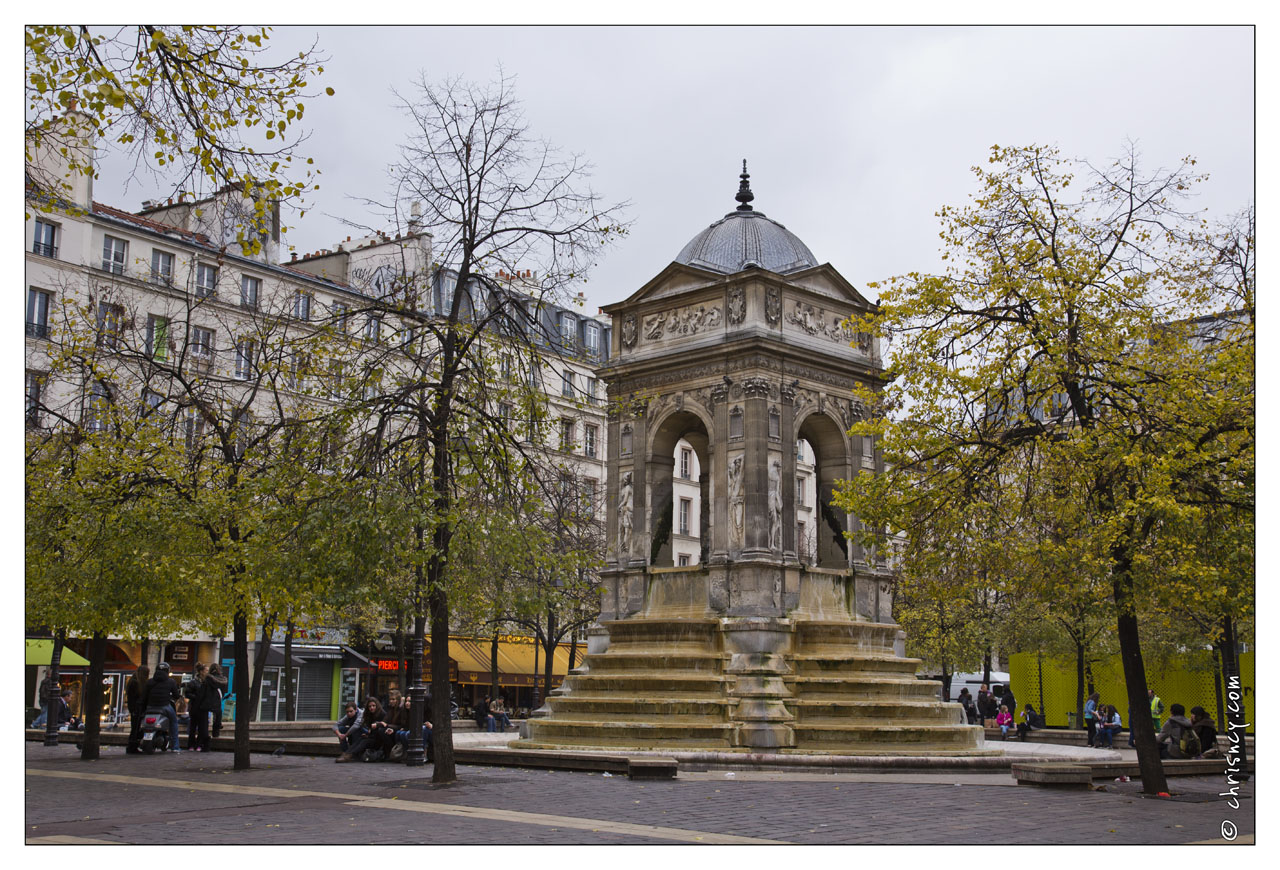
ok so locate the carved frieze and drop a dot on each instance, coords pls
(755, 388)
(816, 321)
(689, 320)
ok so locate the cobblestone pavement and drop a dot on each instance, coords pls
(196, 798)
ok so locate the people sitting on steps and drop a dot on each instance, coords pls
(1177, 739)
(368, 734)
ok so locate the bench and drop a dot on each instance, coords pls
(646, 767)
(1053, 775)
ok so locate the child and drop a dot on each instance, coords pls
(1004, 719)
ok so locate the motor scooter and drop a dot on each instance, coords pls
(155, 730)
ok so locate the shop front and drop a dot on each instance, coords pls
(321, 675)
(520, 667)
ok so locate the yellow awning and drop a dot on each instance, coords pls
(40, 652)
(515, 660)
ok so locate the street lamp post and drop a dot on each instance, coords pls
(415, 752)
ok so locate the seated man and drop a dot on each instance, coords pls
(1177, 738)
(498, 711)
(1028, 723)
(350, 719)
(1207, 731)
(484, 719)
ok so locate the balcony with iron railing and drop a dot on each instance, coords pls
(37, 330)
(45, 250)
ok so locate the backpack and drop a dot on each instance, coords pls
(1190, 743)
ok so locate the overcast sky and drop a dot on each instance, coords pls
(854, 136)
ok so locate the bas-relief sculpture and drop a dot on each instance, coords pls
(689, 320)
(737, 305)
(626, 495)
(775, 504)
(737, 504)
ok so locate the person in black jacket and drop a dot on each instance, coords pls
(193, 691)
(211, 705)
(161, 692)
(370, 731)
(136, 702)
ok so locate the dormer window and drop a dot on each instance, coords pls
(591, 337)
(568, 329)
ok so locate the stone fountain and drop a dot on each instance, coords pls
(769, 643)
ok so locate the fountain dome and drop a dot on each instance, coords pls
(745, 238)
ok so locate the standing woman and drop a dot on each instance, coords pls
(215, 688)
(1091, 717)
(193, 691)
(136, 700)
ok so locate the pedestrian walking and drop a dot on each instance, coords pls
(136, 701)
(193, 692)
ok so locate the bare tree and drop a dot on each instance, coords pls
(497, 202)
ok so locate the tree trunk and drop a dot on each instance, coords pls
(493, 664)
(986, 666)
(442, 726)
(288, 670)
(548, 667)
(145, 654)
(91, 708)
(1135, 680)
(946, 683)
(1217, 689)
(240, 686)
(259, 665)
(1237, 752)
(53, 697)
(1080, 682)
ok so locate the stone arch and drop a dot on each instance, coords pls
(833, 462)
(690, 424)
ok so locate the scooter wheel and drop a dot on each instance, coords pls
(148, 747)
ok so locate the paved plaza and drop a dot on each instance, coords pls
(196, 798)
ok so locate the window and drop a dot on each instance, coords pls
(591, 337)
(505, 412)
(337, 377)
(151, 401)
(590, 493)
(775, 424)
(800, 491)
(250, 287)
(504, 366)
(685, 506)
(110, 323)
(868, 451)
(408, 332)
(35, 394)
(802, 542)
(301, 306)
(373, 328)
(589, 436)
(206, 280)
(683, 561)
(566, 384)
(157, 339)
(113, 253)
(37, 313)
(341, 316)
(568, 329)
(95, 416)
(202, 344)
(686, 462)
(735, 423)
(295, 373)
(593, 391)
(624, 445)
(799, 450)
(244, 359)
(46, 240)
(161, 268)
(566, 435)
(192, 428)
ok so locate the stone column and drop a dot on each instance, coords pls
(756, 473)
(788, 408)
(719, 457)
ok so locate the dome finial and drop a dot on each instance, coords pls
(744, 190)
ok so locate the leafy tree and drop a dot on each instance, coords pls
(1056, 357)
(203, 105)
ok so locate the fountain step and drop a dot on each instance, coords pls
(641, 715)
(871, 686)
(615, 661)
(639, 732)
(575, 704)
(620, 742)
(693, 686)
(835, 711)
(954, 736)
(857, 661)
